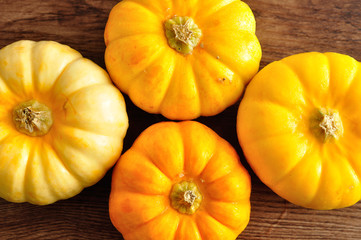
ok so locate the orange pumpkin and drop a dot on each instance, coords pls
(180, 181)
(182, 59)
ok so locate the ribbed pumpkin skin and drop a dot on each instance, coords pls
(165, 154)
(275, 131)
(158, 79)
(89, 118)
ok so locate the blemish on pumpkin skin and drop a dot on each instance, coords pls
(222, 80)
(125, 206)
(66, 108)
(153, 72)
(19, 75)
(139, 56)
(112, 58)
(20, 48)
(216, 22)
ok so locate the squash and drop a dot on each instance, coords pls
(298, 126)
(182, 59)
(62, 122)
(180, 181)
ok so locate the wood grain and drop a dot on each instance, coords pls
(284, 27)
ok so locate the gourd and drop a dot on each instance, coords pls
(298, 126)
(182, 59)
(180, 181)
(62, 122)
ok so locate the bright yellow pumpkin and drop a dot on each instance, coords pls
(182, 58)
(62, 122)
(180, 181)
(299, 127)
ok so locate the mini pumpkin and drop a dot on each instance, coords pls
(183, 59)
(298, 126)
(180, 181)
(62, 122)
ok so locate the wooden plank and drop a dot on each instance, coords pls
(284, 27)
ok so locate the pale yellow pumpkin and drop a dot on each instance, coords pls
(62, 122)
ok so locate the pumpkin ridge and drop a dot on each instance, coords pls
(153, 59)
(84, 181)
(275, 103)
(85, 130)
(215, 154)
(28, 164)
(351, 164)
(210, 196)
(126, 181)
(185, 125)
(332, 79)
(304, 89)
(71, 94)
(65, 134)
(199, 230)
(217, 58)
(225, 225)
(358, 174)
(177, 231)
(317, 192)
(68, 123)
(24, 44)
(146, 8)
(214, 10)
(172, 81)
(223, 64)
(157, 107)
(150, 220)
(341, 149)
(287, 174)
(140, 151)
(166, 92)
(149, 194)
(230, 63)
(133, 228)
(219, 178)
(208, 31)
(268, 136)
(34, 83)
(275, 136)
(61, 73)
(354, 81)
(216, 219)
(7, 136)
(206, 215)
(47, 176)
(196, 85)
(24, 149)
(71, 172)
(6, 86)
(131, 35)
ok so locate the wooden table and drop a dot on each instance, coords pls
(284, 27)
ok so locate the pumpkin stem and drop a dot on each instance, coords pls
(32, 118)
(182, 33)
(185, 197)
(326, 124)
